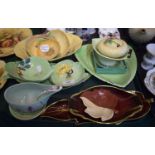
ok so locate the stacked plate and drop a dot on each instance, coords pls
(54, 45)
(100, 104)
(121, 71)
(9, 37)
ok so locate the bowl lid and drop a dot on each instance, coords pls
(95, 43)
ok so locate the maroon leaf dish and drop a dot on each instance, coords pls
(58, 110)
(126, 104)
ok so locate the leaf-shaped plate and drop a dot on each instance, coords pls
(70, 110)
(128, 104)
(84, 56)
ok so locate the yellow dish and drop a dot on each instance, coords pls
(20, 50)
(75, 42)
(62, 39)
(9, 37)
(114, 48)
(44, 47)
(2, 74)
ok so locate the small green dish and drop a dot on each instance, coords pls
(33, 69)
(84, 56)
(68, 73)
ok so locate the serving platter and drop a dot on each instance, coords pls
(20, 52)
(72, 109)
(53, 46)
(84, 56)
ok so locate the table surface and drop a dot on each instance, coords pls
(137, 84)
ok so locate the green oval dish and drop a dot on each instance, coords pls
(34, 69)
(67, 72)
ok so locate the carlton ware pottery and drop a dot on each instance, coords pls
(29, 97)
(124, 105)
(84, 56)
(68, 73)
(102, 57)
(9, 37)
(31, 69)
(52, 46)
(115, 105)
(58, 110)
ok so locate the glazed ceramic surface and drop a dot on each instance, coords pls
(84, 56)
(96, 41)
(26, 116)
(68, 73)
(125, 104)
(9, 37)
(3, 74)
(149, 81)
(21, 49)
(136, 106)
(58, 110)
(29, 97)
(31, 69)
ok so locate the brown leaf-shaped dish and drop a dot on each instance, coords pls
(127, 105)
(131, 105)
(58, 110)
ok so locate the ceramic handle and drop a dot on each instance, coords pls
(54, 88)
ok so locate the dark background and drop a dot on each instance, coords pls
(137, 84)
